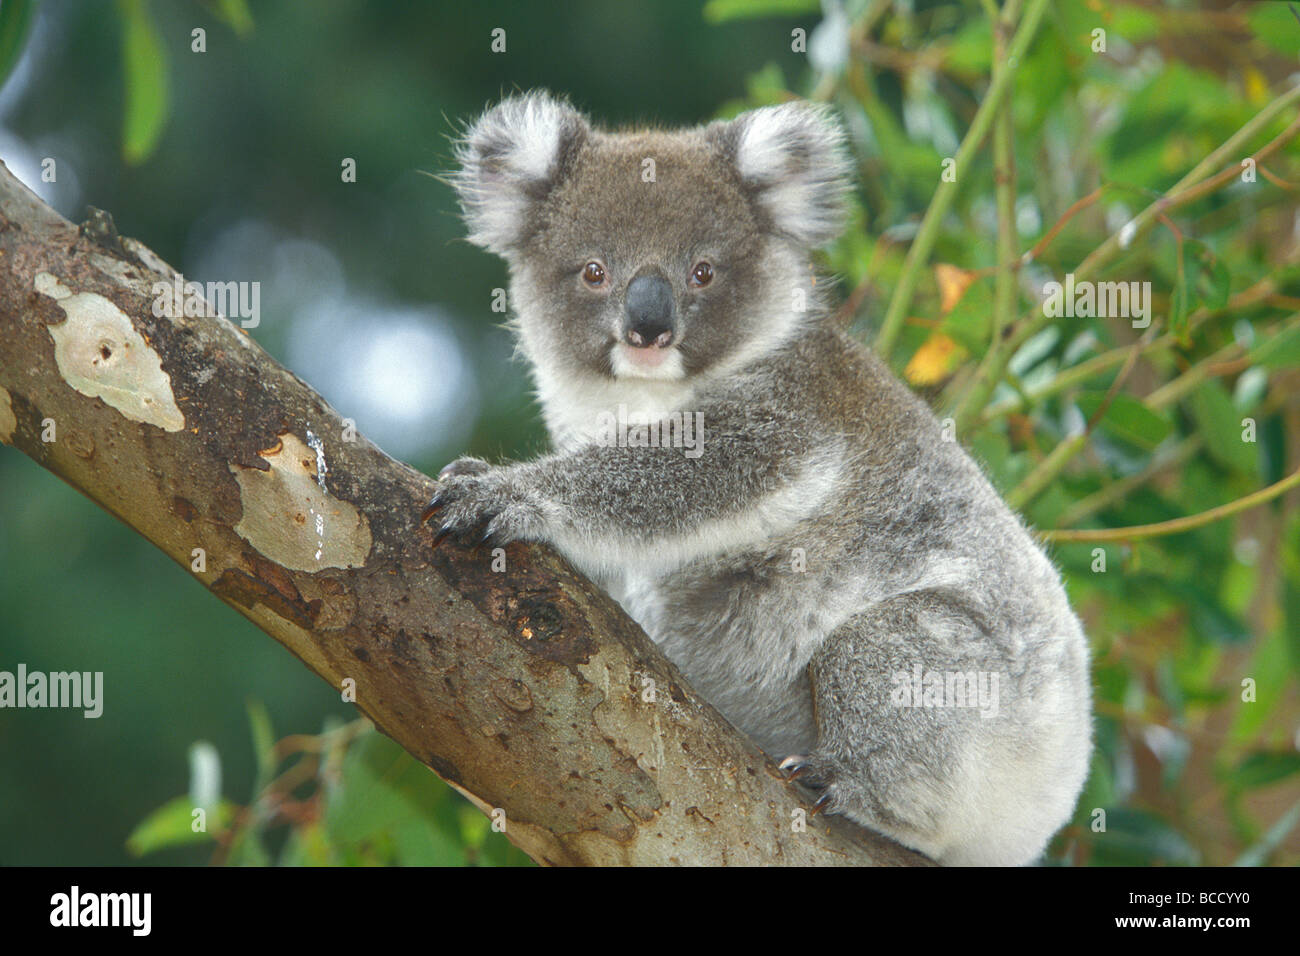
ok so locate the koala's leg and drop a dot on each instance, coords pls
(941, 779)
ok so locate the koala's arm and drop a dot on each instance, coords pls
(757, 473)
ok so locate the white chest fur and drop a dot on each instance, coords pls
(575, 409)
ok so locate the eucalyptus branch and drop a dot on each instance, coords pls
(1004, 179)
(994, 364)
(1087, 369)
(1179, 455)
(1209, 367)
(1050, 467)
(509, 684)
(1177, 525)
(946, 192)
(1055, 462)
(1045, 472)
(828, 83)
(1117, 490)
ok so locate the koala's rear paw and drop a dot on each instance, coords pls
(793, 766)
(835, 792)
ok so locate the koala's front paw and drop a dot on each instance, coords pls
(479, 502)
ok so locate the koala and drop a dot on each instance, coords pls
(781, 514)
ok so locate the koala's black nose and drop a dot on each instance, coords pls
(649, 319)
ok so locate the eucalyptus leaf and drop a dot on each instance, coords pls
(144, 60)
(15, 25)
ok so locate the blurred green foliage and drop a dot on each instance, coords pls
(1092, 423)
(348, 796)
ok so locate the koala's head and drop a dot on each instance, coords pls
(653, 254)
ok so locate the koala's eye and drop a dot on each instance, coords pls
(701, 275)
(593, 273)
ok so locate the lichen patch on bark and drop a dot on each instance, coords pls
(8, 421)
(100, 354)
(291, 518)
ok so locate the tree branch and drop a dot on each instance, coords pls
(527, 690)
(946, 192)
(994, 364)
(1177, 525)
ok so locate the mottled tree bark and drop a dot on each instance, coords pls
(527, 689)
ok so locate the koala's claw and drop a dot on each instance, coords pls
(461, 467)
(477, 503)
(431, 509)
(793, 766)
(817, 774)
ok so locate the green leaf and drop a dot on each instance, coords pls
(421, 844)
(1263, 767)
(1213, 280)
(766, 86)
(1160, 124)
(1219, 423)
(1275, 25)
(263, 742)
(1180, 302)
(969, 321)
(1208, 618)
(993, 451)
(1258, 854)
(1053, 71)
(720, 11)
(248, 850)
(1136, 24)
(382, 788)
(145, 63)
(1280, 351)
(970, 51)
(1268, 669)
(1139, 838)
(308, 845)
(235, 14)
(1127, 418)
(15, 24)
(1291, 606)
(172, 825)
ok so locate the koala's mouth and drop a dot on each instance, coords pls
(627, 361)
(646, 357)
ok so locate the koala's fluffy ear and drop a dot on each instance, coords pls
(793, 160)
(509, 159)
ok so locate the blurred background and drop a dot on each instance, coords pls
(227, 163)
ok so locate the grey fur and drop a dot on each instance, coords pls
(829, 539)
